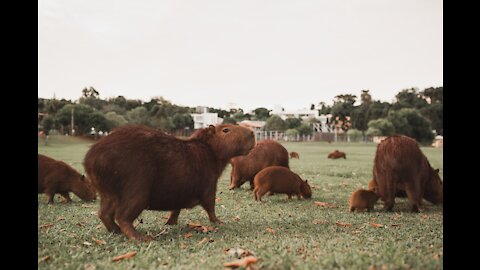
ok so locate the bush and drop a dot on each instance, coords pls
(354, 134)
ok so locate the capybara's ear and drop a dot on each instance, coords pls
(211, 129)
(437, 170)
(306, 181)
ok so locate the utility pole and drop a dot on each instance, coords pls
(72, 124)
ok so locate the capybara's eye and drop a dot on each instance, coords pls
(225, 130)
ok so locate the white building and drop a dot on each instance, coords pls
(304, 113)
(204, 119)
(254, 125)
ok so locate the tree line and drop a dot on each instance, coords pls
(413, 113)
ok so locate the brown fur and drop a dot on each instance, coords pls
(363, 199)
(294, 155)
(400, 165)
(279, 179)
(265, 153)
(55, 176)
(337, 154)
(136, 168)
(400, 192)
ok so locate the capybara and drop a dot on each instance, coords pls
(337, 154)
(294, 155)
(400, 192)
(279, 179)
(400, 165)
(265, 153)
(137, 167)
(363, 199)
(55, 176)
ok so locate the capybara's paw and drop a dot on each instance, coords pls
(171, 222)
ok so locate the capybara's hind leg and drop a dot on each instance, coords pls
(260, 193)
(388, 194)
(209, 205)
(413, 195)
(173, 219)
(107, 214)
(352, 209)
(50, 196)
(299, 195)
(125, 214)
(66, 195)
(270, 193)
(252, 186)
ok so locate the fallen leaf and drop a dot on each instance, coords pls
(203, 241)
(241, 262)
(218, 199)
(239, 252)
(437, 256)
(124, 256)
(318, 221)
(87, 243)
(93, 213)
(376, 225)
(45, 226)
(187, 235)
(343, 224)
(236, 218)
(270, 230)
(89, 267)
(60, 218)
(99, 242)
(324, 204)
(43, 259)
(201, 228)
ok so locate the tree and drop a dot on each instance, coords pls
(304, 129)
(85, 117)
(410, 122)
(312, 107)
(182, 121)
(275, 123)
(90, 92)
(360, 117)
(48, 123)
(378, 110)
(343, 107)
(261, 114)
(435, 95)
(138, 116)
(291, 133)
(293, 122)
(409, 98)
(365, 97)
(354, 134)
(381, 127)
(324, 108)
(115, 120)
(229, 120)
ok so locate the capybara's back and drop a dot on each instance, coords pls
(55, 176)
(136, 168)
(363, 199)
(294, 155)
(337, 154)
(278, 179)
(400, 165)
(265, 153)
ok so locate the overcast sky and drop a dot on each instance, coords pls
(253, 53)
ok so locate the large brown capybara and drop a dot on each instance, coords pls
(294, 155)
(337, 154)
(363, 199)
(55, 176)
(400, 165)
(265, 153)
(400, 192)
(279, 179)
(136, 168)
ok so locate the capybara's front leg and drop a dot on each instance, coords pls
(66, 195)
(209, 205)
(413, 195)
(106, 213)
(299, 196)
(173, 219)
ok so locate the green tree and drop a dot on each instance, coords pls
(324, 108)
(182, 121)
(378, 110)
(355, 134)
(275, 123)
(85, 117)
(48, 123)
(293, 122)
(291, 133)
(380, 127)
(229, 120)
(410, 122)
(365, 97)
(115, 120)
(138, 116)
(304, 129)
(261, 114)
(434, 94)
(409, 98)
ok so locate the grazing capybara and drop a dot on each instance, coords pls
(400, 165)
(363, 199)
(265, 153)
(294, 155)
(400, 192)
(137, 167)
(279, 179)
(55, 176)
(337, 154)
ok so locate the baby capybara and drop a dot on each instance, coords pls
(400, 165)
(279, 179)
(55, 176)
(265, 153)
(294, 155)
(337, 154)
(363, 199)
(136, 168)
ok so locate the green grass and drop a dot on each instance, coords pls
(306, 236)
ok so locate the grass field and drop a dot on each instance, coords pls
(283, 234)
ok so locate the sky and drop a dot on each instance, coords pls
(252, 53)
